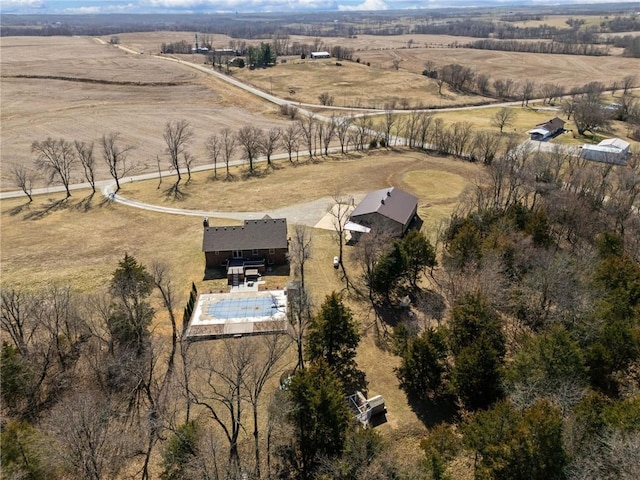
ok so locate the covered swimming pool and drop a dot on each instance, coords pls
(241, 307)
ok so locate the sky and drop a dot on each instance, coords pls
(231, 6)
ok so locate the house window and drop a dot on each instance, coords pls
(237, 254)
(216, 252)
(271, 261)
(254, 252)
(272, 251)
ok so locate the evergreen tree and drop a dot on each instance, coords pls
(419, 253)
(131, 313)
(477, 374)
(389, 270)
(333, 337)
(513, 446)
(616, 344)
(181, 449)
(320, 417)
(17, 379)
(423, 366)
(471, 318)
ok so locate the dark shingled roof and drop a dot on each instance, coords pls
(254, 234)
(390, 202)
(552, 125)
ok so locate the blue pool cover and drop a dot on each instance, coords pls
(243, 308)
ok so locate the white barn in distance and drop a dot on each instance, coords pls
(315, 55)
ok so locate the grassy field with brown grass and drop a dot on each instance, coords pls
(90, 98)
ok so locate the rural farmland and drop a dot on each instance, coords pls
(498, 337)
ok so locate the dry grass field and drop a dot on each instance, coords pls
(36, 108)
(560, 21)
(569, 70)
(100, 89)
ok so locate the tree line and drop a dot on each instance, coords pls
(564, 48)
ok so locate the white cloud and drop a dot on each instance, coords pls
(96, 10)
(366, 5)
(21, 4)
(174, 3)
(240, 5)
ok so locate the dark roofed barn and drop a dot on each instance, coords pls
(246, 248)
(388, 209)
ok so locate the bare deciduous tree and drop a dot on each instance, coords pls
(214, 148)
(362, 131)
(250, 140)
(270, 142)
(485, 146)
(628, 83)
(307, 127)
(188, 159)
(422, 132)
(177, 135)
(23, 179)
(88, 438)
(342, 131)
(503, 88)
(219, 390)
(289, 140)
(325, 99)
(503, 117)
(526, 91)
(268, 352)
(85, 155)
(329, 133)
(340, 213)
(460, 134)
(56, 159)
(46, 330)
(482, 83)
(389, 121)
(228, 148)
(115, 156)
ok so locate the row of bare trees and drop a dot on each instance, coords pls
(465, 79)
(58, 159)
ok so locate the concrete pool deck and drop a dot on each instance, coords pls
(217, 315)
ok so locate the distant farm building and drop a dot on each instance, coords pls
(611, 150)
(389, 209)
(246, 250)
(315, 55)
(546, 130)
(228, 52)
